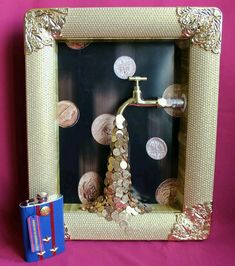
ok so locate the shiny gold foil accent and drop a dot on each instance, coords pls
(42, 26)
(202, 25)
(193, 224)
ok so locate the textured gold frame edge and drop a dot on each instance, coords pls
(41, 80)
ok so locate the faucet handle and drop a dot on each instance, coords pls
(137, 80)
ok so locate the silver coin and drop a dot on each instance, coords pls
(116, 185)
(119, 190)
(124, 67)
(123, 164)
(126, 173)
(119, 194)
(101, 128)
(126, 183)
(125, 198)
(89, 187)
(129, 210)
(116, 152)
(134, 212)
(119, 182)
(116, 175)
(156, 148)
(119, 121)
(119, 134)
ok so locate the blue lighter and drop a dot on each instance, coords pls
(43, 226)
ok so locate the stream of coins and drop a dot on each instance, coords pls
(117, 203)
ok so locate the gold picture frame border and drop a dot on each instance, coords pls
(45, 27)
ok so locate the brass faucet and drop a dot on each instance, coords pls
(137, 99)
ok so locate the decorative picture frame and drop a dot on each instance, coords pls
(44, 28)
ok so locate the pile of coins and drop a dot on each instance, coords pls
(117, 204)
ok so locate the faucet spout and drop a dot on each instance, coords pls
(137, 99)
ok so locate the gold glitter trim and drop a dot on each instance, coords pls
(193, 224)
(42, 26)
(203, 26)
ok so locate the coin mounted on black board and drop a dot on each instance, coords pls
(125, 149)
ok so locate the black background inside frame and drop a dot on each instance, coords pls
(86, 77)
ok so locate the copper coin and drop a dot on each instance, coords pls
(77, 45)
(124, 67)
(67, 114)
(156, 148)
(89, 187)
(102, 127)
(166, 191)
(174, 91)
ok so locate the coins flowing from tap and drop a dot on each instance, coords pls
(117, 203)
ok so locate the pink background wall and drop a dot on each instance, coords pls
(217, 250)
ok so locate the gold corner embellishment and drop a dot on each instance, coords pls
(42, 26)
(193, 224)
(203, 26)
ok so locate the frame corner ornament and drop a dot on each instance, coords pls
(42, 26)
(193, 223)
(203, 26)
